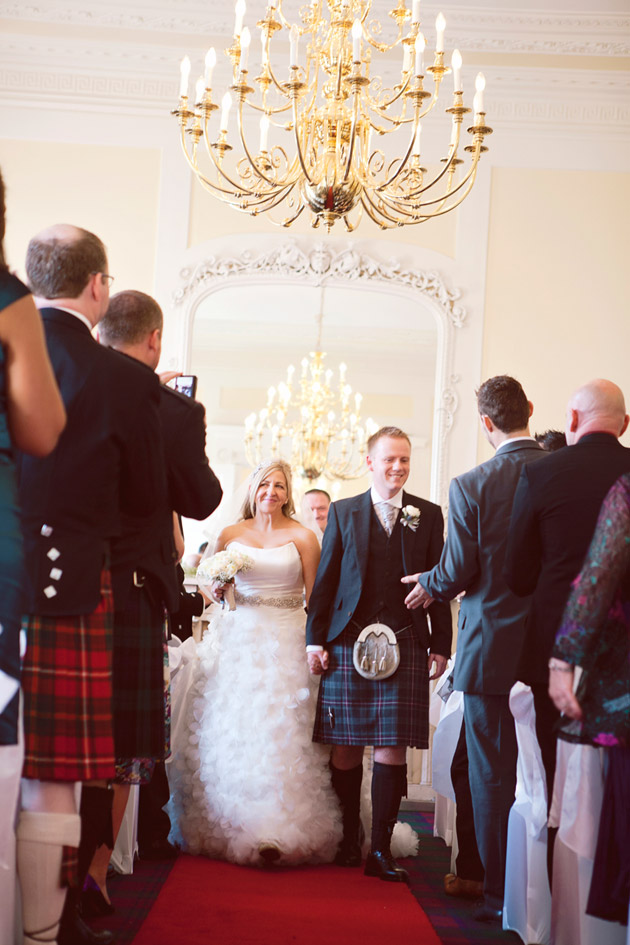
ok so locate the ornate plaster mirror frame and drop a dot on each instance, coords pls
(331, 264)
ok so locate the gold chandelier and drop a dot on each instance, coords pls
(330, 105)
(317, 428)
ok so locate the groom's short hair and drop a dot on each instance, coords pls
(395, 432)
(503, 399)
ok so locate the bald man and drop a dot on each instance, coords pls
(555, 510)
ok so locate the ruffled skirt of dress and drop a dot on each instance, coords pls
(245, 770)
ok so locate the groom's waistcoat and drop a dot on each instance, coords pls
(383, 594)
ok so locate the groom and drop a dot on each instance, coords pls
(369, 541)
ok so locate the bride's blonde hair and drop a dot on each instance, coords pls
(248, 509)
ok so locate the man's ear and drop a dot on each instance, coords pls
(154, 339)
(626, 420)
(531, 407)
(575, 420)
(486, 422)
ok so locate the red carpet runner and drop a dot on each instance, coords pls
(208, 902)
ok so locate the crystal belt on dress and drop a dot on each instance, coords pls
(255, 600)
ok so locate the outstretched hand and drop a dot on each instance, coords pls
(317, 661)
(417, 595)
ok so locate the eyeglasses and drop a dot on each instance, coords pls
(106, 276)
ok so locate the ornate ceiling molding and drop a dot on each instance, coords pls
(483, 28)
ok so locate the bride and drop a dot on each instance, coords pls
(247, 782)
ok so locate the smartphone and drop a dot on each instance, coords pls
(186, 384)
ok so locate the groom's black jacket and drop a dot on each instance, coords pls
(342, 569)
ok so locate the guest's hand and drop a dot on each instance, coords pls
(317, 661)
(561, 689)
(439, 661)
(167, 376)
(417, 595)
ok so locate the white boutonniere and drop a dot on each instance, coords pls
(410, 517)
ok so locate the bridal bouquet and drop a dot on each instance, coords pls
(222, 568)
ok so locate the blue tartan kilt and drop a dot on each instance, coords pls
(352, 710)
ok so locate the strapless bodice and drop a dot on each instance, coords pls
(277, 572)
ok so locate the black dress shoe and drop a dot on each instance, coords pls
(385, 867)
(75, 932)
(488, 915)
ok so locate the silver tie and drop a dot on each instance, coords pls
(387, 514)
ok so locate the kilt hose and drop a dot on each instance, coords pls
(138, 681)
(67, 686)
(352, 710)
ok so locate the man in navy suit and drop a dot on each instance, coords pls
(370, 542)
(108, 462)
(554, 516)
(491, 618)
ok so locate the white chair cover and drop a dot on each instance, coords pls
(447, 718)
(527, 903)
(575, 810)
(127, 839)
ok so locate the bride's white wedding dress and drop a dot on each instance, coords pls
(245, 771)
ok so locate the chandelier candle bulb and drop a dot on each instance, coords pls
(419, 47)
(406, 57)
(210, 62)
(357, 33)
(246, 38)
(263, 43)
(239, 11)
(226, 104)
(480, 84)
(294, 40)
(200, 88)
(456, 65)
(415, 11)
(440, 26)
(184, 71)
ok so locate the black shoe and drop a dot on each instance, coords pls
(385, 867)
(488, 915)
(160, 850)
(348, 854)
(93, 903)
(76, 932)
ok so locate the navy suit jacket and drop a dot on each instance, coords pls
(342, 568)
(109, 460)
(556, 506)
(491, 618)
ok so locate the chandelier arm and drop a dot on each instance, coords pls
(272, 183)
(462, 183)
(353, 129)
(236, 188)
(380, 212)
(403, 162)
(351, 227)
(297, 141)
(376, 107)
(303, 30)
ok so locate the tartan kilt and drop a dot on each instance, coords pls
(138, 679)
(352, 710)
(67, 686)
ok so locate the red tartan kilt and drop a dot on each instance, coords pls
(67, 685)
